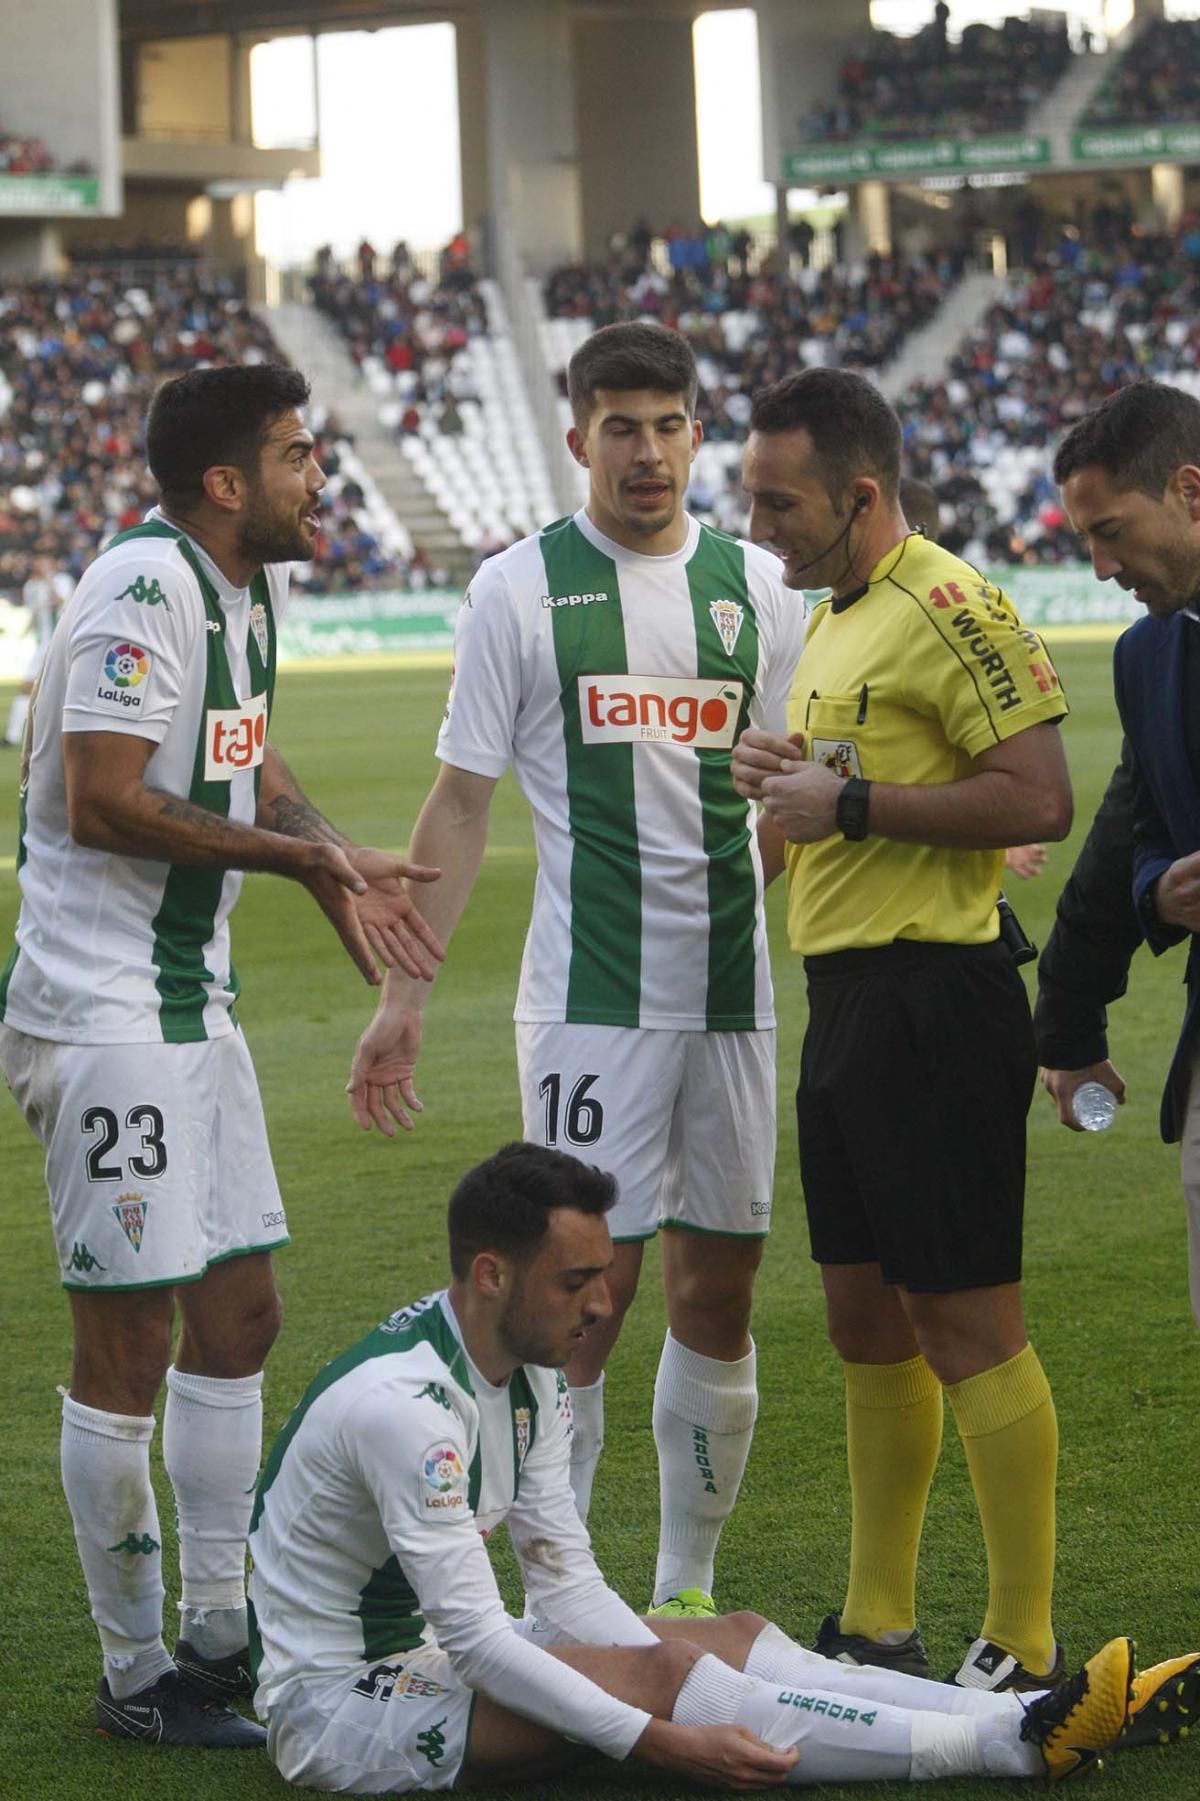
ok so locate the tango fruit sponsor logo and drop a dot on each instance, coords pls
(659, 709)
(234, 738)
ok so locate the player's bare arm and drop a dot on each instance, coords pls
(450, 834)
(111, 807)
(394, 927)
(1017, 791)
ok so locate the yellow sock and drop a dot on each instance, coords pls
(893, 1436)
(1009, 1430)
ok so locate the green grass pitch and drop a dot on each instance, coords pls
(1105, 1275)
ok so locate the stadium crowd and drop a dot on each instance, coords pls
(21, 155)
(1156, 81)
(914, 87)
(748, 330)
(79, 359)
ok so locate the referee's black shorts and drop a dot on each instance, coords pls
(915, 1079)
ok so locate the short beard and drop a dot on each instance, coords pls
(263, 539)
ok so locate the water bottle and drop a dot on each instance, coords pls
(1094, 1106)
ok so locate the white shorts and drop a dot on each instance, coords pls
(684, 1120)
(157, 1159)
(393, 1727)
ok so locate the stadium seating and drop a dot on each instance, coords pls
(1156, 81)
(439, 357)
(79, 359)
(906, 87)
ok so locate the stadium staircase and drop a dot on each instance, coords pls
(1065, 104)
(924, 355)
(316, 347)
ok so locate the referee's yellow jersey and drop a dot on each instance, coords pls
(909, 683)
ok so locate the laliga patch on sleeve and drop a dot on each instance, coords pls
(443, 1482)
(123, 672)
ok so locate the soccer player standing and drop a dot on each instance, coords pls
(613, 659)
(923, 719)
(149, 784)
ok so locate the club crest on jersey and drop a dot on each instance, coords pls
(727, 616)
(838, 754)
(521, 1432)
(130, 1213)
(659, 709)
(444, 1481)
(234, 738)
(258, 625)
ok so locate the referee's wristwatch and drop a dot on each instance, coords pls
(853, 806)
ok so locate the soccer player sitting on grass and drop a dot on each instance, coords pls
(386, 1662)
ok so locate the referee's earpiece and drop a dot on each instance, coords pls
(861, 501)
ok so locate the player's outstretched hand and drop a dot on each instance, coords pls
(1061, 1086)
(717, 1756)
(381, 1076)
(1025, 859)
(758, 754)
(335, 885)
(395, 929)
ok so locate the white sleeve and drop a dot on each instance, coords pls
(485, 691)
(780, 652)
(418, 1478)
(126, 659)
(564, 1584)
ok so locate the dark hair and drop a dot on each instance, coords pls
(628, 356)
(919, 504)
(853, 429)
(212, 416)
(1139, 436)
(504, 1204)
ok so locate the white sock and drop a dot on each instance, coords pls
(986, 1746)
(774, 1657)
(704, 1412)
(838, 1741)
(106, 1479)
(212, 1443)
(587, 1441)
(16, 719)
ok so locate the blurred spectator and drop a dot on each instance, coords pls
(1156, 81)
(923, 86)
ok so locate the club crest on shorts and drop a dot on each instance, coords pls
(838, 754)
(727, 616)
(130, 1211)
(258, 625)
(521, 1432)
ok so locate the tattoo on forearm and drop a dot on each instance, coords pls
(298, 818)
(174, 806)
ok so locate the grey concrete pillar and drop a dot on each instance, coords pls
(533, 157)
(635, 110)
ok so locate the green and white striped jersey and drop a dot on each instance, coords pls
(617, 684)
(367, 1535)
(114, 949)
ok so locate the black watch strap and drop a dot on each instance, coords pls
(853, 807)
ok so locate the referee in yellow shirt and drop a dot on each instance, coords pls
(923, 739)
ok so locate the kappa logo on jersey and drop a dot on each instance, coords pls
(234, 738)
(146, 593)
(659, 709)
(727, 616)
(573, 600)
(838, 754)
(126, 667)
(444, 1480)
(130, 1212)
(258, 625)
